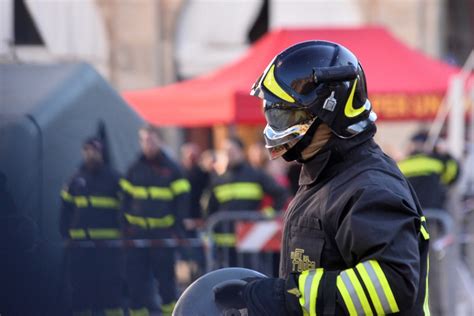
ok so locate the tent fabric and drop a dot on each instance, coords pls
(46, 111)
(223, 96)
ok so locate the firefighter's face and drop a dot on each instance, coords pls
(150, 143)
(91, 155)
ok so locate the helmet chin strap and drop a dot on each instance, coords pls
(294, 153)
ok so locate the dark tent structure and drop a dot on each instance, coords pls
(46, 111)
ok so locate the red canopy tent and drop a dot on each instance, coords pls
(403, 83)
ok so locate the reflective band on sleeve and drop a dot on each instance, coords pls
(450, 172)
(381, 285)
(420, 166)
(375, 293)
(238, 191)
(104, 202)
(76, 233)
(309, 285)
(346, 296)
(136, 220)
(224, 239)
(355, 292)
(135, 191)
(180, 186)
(139, 312)
(66, 196)
(81, 201)
(104, 233)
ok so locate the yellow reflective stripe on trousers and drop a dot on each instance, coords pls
(308, 283)
(144, 193)
(426, 304)
(77, 233)
(238, 191)
(114, 312)
(151, 222)
(420, 166)
(167, 309)
(224, 239)
(355, 292)
(180, 186)
(139, 312)
(423, 230)
(104, 202)
(382, 287)
(104, 233)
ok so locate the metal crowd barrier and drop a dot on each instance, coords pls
(264, 262)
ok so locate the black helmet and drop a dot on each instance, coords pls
(311, 83)
(198, 298)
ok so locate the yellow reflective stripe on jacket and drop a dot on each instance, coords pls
(103, 233)
(135, 191)
(114, 312)
(426, 305)
(77, 233)
(151, 222)
(238, 191)
(224, 239)
(66, 196)
(308, 285)
(151, 192)
(180, 186)
(104, 202)
(139, 312)
(167, 309)
(82, 201)
(423, 230)
(420, 166)
(450, 171)
(378, 287)
(353, 294)
(160, 193)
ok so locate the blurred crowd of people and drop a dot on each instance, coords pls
(119, 229)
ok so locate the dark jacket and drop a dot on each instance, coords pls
(430, 175)
(156, 197)
(90, 205)
(357, 222)
(242, 188)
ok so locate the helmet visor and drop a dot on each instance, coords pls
(280, 116)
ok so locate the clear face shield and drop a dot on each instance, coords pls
(286, 125)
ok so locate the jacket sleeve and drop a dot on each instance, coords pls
(181, 189)
(126, 196)
(378, 235)
(66, 212)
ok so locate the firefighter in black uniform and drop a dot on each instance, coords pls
(90, 212)
(240, 188)
(354, 239)
(156, 200)
(431, 173)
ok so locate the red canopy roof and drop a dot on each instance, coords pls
(395, 73)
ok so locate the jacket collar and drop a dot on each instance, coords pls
(336, 150)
